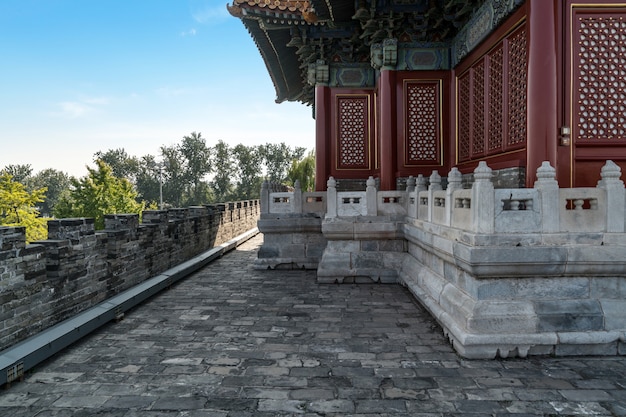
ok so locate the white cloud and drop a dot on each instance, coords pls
(190, 32)
(74, 109)
(81, 108)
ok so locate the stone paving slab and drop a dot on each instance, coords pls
(231, 341)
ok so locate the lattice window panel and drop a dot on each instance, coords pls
(353, 132)
(495, 132)
(464, 117)
(491, 106)
(478, 122)
(600, 79)
(517, 85)
(422, 123)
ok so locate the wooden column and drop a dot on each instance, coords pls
(542, 87)
(387, 92)
(322, 136)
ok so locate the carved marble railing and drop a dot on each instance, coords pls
(481, 209)
(546, 208)
(291, 202)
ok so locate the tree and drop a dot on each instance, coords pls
(97, 194)
(18, 208)
(278, 158)
(247, 161)
(197, 165)
(224, 171)
(174, 182)
(56, 182)
(185, 168)
(303, 170)
(149, 179)
(20, 173)
(122, 164)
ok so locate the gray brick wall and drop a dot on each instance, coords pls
(46, 282)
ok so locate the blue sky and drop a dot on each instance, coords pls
(81, 76)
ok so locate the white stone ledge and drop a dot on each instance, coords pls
(362, 228)
(501, 256)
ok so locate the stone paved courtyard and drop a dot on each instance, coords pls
(233, 341)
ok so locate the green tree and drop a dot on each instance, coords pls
(223, 163)
(174, 182)
(278, 158)
(248, 161)
(303, 170)
(97, 194)
(18, 208)
(148, 180)
(19, 172)
(122, 164)
(57, 184)
(196, 156)
(185, 168)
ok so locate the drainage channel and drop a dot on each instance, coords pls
(21, 357)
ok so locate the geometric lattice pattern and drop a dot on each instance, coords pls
(478, 101)
(517, 85)
(353, 132)
(422, 123)
(492, 95)
(600, 79)
(494, 138)
(464, 117)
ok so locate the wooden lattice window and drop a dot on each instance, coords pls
(478, 108)
(464, 117)
(423, 127)
(353, 132)
(491, 103)
(517, 86)
(496, 101)
(600, 78)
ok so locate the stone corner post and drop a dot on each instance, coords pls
(371, 197)
(548, 188)
(454, 183)
(483, 200)
(411, 194)
(615, 197)
(331, 198)
(265, 197)
(435, 185)
(297, 197)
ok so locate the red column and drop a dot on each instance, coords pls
(322, 128)
(542, 87)
(387, 92)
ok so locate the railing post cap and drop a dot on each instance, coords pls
(610, 170)
(454, 173)
(546, 171)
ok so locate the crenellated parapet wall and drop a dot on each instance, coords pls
(506, 272)
(77, 267)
